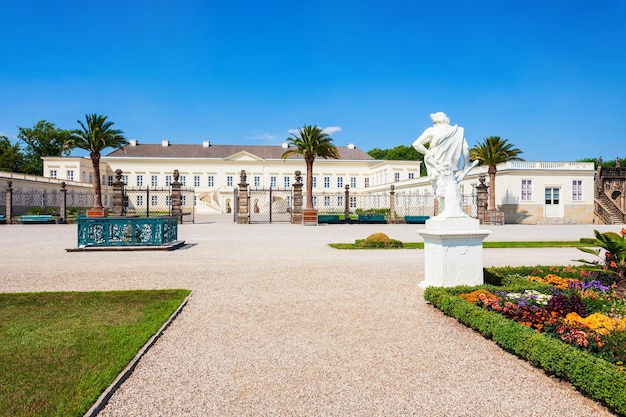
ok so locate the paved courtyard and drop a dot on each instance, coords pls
(280, 324)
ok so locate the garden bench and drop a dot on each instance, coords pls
(36, 218)
(416, 219)
(1, 218)
(372, 218)
(328, 218)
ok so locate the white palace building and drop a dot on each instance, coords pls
(527, 192)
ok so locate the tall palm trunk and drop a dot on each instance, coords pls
(492, 187)
(95, 160)
(309, 184)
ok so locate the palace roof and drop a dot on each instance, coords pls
(211, 151)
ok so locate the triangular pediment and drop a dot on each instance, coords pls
(243, 156)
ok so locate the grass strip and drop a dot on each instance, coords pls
(486, 245)
(60, 351)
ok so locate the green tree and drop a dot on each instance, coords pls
(399, 153)
(11, 157)
(311, 142)
(493, 151)
(95, 135)
(43, 139)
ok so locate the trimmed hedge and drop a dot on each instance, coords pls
(595, 377)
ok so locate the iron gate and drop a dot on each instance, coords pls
(270, 205)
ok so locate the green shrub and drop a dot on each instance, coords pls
(378, 240)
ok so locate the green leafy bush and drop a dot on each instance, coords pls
(379, 240)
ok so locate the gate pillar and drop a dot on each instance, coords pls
(392, 204)
(297, 198)
(481, 198)
(176, 198)
(9, 202)
(118, 194)
(242, 210)
(63, 205)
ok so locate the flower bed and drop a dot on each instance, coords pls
(560, 319)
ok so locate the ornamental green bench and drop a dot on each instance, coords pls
(416, 219)
(372, 218)
(36, 218)
(328, 218)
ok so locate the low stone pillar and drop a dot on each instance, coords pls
(453, 252)
(297, 199)
(176, 198)
(9, 203)
(243, 209)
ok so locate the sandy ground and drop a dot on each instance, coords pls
(280, 324)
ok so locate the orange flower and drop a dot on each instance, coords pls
(623, 231)
(613, 264)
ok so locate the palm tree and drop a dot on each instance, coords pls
(94, 136)
(491, 152)
(311, 142)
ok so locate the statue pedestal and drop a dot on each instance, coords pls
(453, 252)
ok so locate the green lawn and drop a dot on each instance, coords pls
(490, 245)
(60, 351)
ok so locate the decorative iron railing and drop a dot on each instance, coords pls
(127, 231)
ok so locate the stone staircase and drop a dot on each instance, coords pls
(607, 212)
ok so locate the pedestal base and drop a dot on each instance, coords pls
(97, 213)
(309, 217)
(453, 252)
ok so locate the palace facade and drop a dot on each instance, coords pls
(527, 192)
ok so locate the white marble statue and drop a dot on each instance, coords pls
(447, 146)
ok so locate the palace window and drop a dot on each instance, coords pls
(527, 190)
(577, 190)
(211, 181)
(139, 180)
(154, 180)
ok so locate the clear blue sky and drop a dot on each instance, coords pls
(550, 76)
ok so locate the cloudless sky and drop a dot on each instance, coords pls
(549, 76)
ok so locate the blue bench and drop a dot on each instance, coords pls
(416, 219)
(328, 218)
(36, 218)
(372, 218)
(1, 218)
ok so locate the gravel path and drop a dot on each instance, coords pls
(280, 324)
